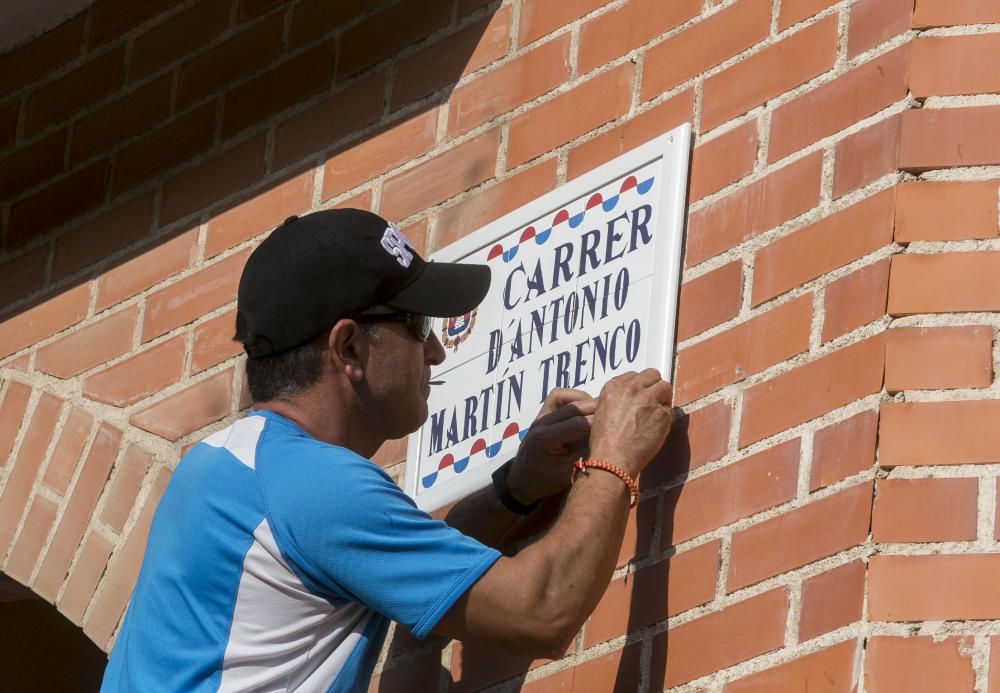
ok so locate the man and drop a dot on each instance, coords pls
(279, 552)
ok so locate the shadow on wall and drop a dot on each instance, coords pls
(135, 122)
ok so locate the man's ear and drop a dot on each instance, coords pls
(349, 349)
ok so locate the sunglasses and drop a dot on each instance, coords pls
(420, 326)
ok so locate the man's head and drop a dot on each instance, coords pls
(343, 290)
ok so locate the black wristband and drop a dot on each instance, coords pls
(504, 494)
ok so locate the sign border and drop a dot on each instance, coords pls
(674, 147)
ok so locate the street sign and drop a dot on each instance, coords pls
(584, 286)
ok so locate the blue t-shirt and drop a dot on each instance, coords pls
(275, 562)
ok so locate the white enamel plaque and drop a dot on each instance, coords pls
(584, 286)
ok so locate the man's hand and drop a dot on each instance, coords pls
(632, 420)
(558, 437)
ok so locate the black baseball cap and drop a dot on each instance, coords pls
(322, 267)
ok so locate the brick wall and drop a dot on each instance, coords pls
(823, 516)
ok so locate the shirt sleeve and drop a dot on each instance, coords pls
(350, 530)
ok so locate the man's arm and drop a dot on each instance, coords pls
(535, 602)
(542, 468)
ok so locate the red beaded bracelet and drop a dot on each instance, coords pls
(581, 465)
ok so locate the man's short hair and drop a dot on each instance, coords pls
(277, 376)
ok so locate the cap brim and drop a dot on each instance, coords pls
(444, 290)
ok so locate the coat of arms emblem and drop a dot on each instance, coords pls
(456, 330)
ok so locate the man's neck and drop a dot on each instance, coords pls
(343, 424)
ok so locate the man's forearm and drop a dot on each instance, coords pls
(482, 516)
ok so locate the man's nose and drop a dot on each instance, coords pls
(434, 353)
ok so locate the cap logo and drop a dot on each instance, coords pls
(395, 244)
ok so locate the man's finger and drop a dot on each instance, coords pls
(560, 397)
(565, 433)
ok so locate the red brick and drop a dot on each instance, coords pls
(124, 489)
(832, 600)
(474, 668)
(493, 202)
(75, 518)
(723, 160)
(739, 490)
(949, 137)
(709, 300)
(695, 439)
(23, 276)
(823, 246)
(286, 85)
(451, 58)
(192, 408)
(420, 675)
(86, 574)
(760, 206)
(88, 346)
(773, 71)
(255, 8)
(748, 348)
(919, 664)
(638, 532)
(72, 439)
(178, 36)
(102, 237)
(262, 212)
(145, 270)
(212, 180)
(31, 538)
(828, 109)
(27, 166)
(9, 114)
(938, 358)
(812, 390)
(28, 63)
(213, 342)
(44, 320)
(618, 670)
(314, 18)
(866, 156)
(946, 211)
(188, 299)
(944, 283)
(238, 56)
(801, 536)
(163, 148)
(114, 17)
(653, 593)
(58, 203)
(540, 17)
(124, 569)
(993, 684)
(831, 670)
(30, 456)
(446, 174)
(509, 85)
(379, 153)
(955, 65)
(875, 21)
(570, 114)
(136, 111)
(384, 34)
(737, 633)
(15, 403)
(60, 99)
(934, 433)
(794, 11)
(934, 13)
(908, 588)
(925, 510)
(139, 376)
(704, 45)
(613, 34)
(855, 300)
(843, 449)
